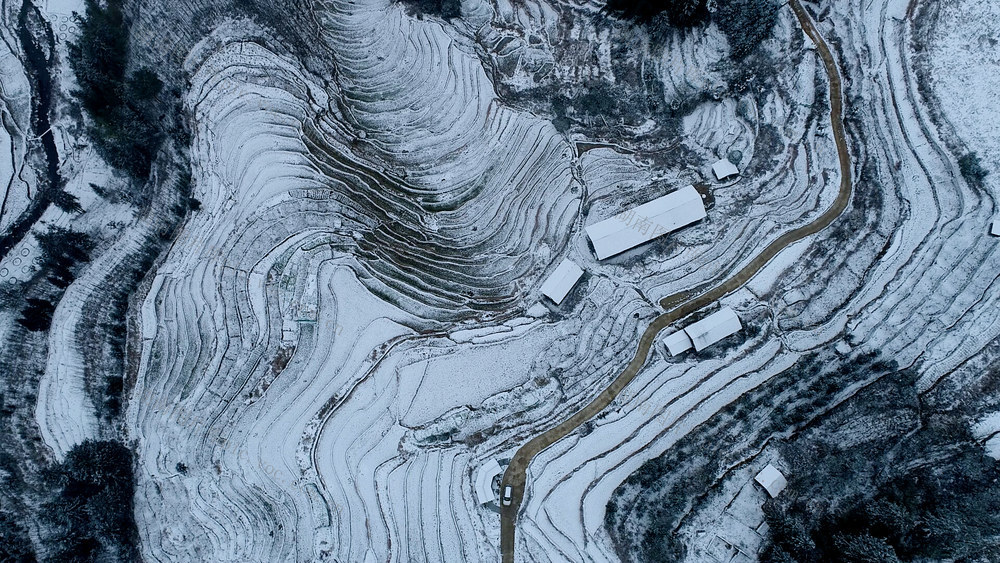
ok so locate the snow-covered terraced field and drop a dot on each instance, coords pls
(285, 340)
(918, 282)
(963, 59)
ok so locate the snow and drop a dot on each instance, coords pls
(355, 448)
(964, 60)
(455, 378)
(987, 430)
(484, 481)
(18, 179)
(868, 295)
(415, 360)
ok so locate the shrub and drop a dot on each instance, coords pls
(867, 505)
(144, 85)
(60, 245)
(99, 58)
(972, 169)
(37, 315)
(864, 548)
(745, 22)
(66, 201)
(15, 547)
(62, 250)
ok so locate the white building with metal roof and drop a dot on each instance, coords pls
(772, 480)
(677, 342)
(724, 169)
(484, 481)
(562, 280)
(646, 222)
(713, 328)
(704, 333)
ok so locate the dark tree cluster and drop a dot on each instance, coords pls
(15, 546)
(122, 104)
(679, 13)
(93, 511)
(972, 169)
(36, 315)
(66, 201)
(447, 9)
(930, 495)
(745, 22)
(63, 251)
(111, 319)
(671, 485)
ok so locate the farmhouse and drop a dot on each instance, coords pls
(646, 222)
(724, 169)
(484, 481)
(704, 333)
(562, 280)
(713, 328)
(772, 480)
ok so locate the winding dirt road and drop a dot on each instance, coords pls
(516, 472)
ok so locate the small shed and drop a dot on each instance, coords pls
(724, 169)
(995, 228)
(772, 480)
(677, 342)
(562, 280)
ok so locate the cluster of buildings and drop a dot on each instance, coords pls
(611, 237)
(640, 225)
(704, 333)
(628, 230)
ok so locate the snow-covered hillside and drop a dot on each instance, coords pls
(346, 323)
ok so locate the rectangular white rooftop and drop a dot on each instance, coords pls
(677, 342)
(646, 222)
(772, 480)
(724, 169)
(995, 228)
(562, 280)
(713, 328)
